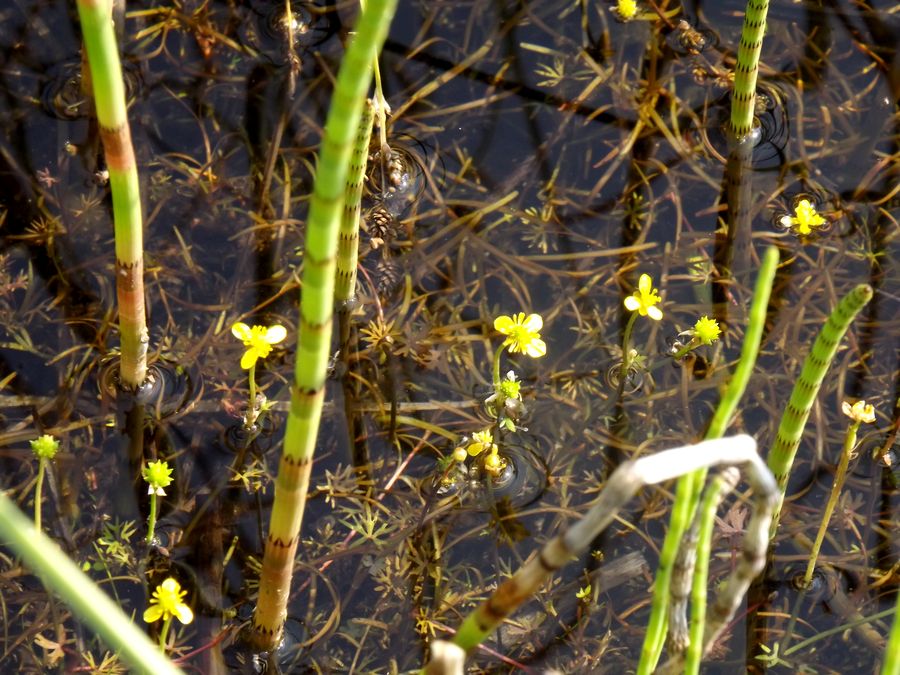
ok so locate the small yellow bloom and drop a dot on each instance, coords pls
(45, 447)
(707, 330)
(168, 601)
(259, 341)
(481, 441)
(859, 411)
(626, 9)
(522, 333)
(806, 218)
(492, 463)
(644, 299)
(460, 454)
(158, 475)
(583, 593)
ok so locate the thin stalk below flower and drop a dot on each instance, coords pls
(38, 490)
(151, 519)
(839, 476)
(626, 352)
(496, 368)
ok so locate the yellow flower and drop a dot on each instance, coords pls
(481, 441)
(522, 333)
(707, 330)
(859, 412)
(460, 454)
(168, 601)
(806, 218)
(626, 9)
(45, 447)
(259, 341)
(644, 299)
(158, 475)
(492, 463)
(583, 593)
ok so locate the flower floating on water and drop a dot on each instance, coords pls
(707, 330)
(626, 9)
(168, 601)
(859, 412)
(805, 219)
(645, 299)
(158, 475)
(493, 464)
(481, 441)
(258, 340)
(45, 447)
(522, 333)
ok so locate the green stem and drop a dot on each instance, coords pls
(90, 604)
(316, 311)
(839, 476)
(793, 420)
(348, 242)
(164, 633)
(715, 492)
(251, 411)
(38, 498)
(687, 490)
(496, 367)
(690, 346)
(743, 99)
(109, 97)
(151, 519)
(891, 664)
(626, 352)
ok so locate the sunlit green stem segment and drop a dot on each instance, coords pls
(891, 665)
(348, 243)
(794, 417)
(743, 99)
(718, 488)
(839, 476)
(77, 590)
(687, 491)
(316, 312)
(109, 97)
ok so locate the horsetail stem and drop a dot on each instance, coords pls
(687, 491)
(316, 310)
(793, 420)
(743, 99)
(109, 97)
(348, 242)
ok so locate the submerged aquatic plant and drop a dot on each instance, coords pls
(259, 341)
(158, 476)
(44, 448)
(168, 602)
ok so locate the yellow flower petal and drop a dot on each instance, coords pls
(184, 613)
(503, 324)
(632, 304)
(645, 284)
(241, 331)
(275, 334)
(248, 360)
(533, 323)
(153, 613)
(654, 312)
(536, 348)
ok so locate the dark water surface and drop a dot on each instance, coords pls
(554, 154)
